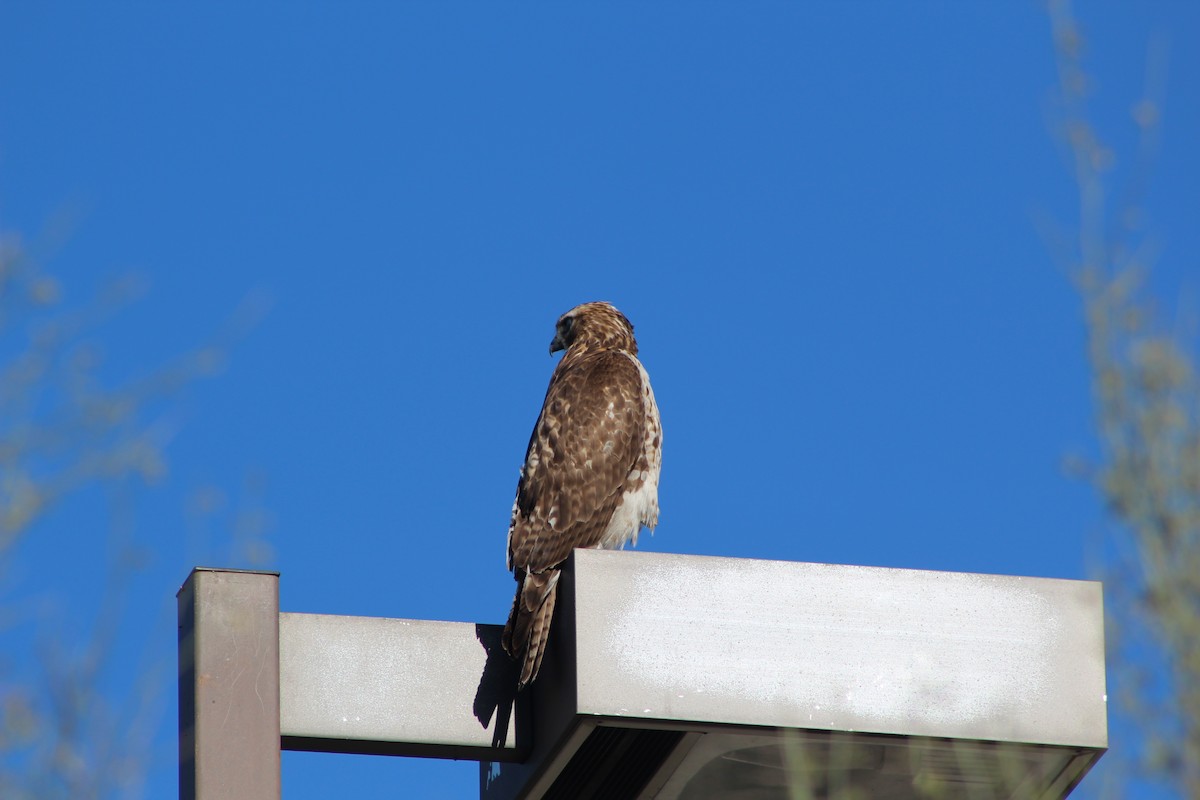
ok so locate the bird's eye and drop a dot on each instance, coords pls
(566, 324)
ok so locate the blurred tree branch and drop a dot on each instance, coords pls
(63, 429)
(1147, 407)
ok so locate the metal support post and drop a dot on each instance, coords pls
(229, 685)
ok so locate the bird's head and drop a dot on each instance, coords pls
(594, 325)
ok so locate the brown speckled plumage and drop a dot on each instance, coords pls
(590, 477)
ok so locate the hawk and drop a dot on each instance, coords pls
(590, 477)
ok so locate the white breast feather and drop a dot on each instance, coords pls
(639, 507)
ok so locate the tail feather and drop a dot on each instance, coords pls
(528, 627)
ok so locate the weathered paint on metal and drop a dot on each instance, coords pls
(397, 687)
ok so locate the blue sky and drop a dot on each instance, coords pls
(820, 218)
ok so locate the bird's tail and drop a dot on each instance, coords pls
(528, 625)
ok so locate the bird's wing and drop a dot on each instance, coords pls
(586, 440)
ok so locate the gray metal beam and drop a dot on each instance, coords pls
(833, 647)
(397, 687)
(229, 685)
(663, 671)
(747, 647)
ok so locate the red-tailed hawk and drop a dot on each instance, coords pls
(590, 477)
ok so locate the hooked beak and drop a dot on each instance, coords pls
(557, 344)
